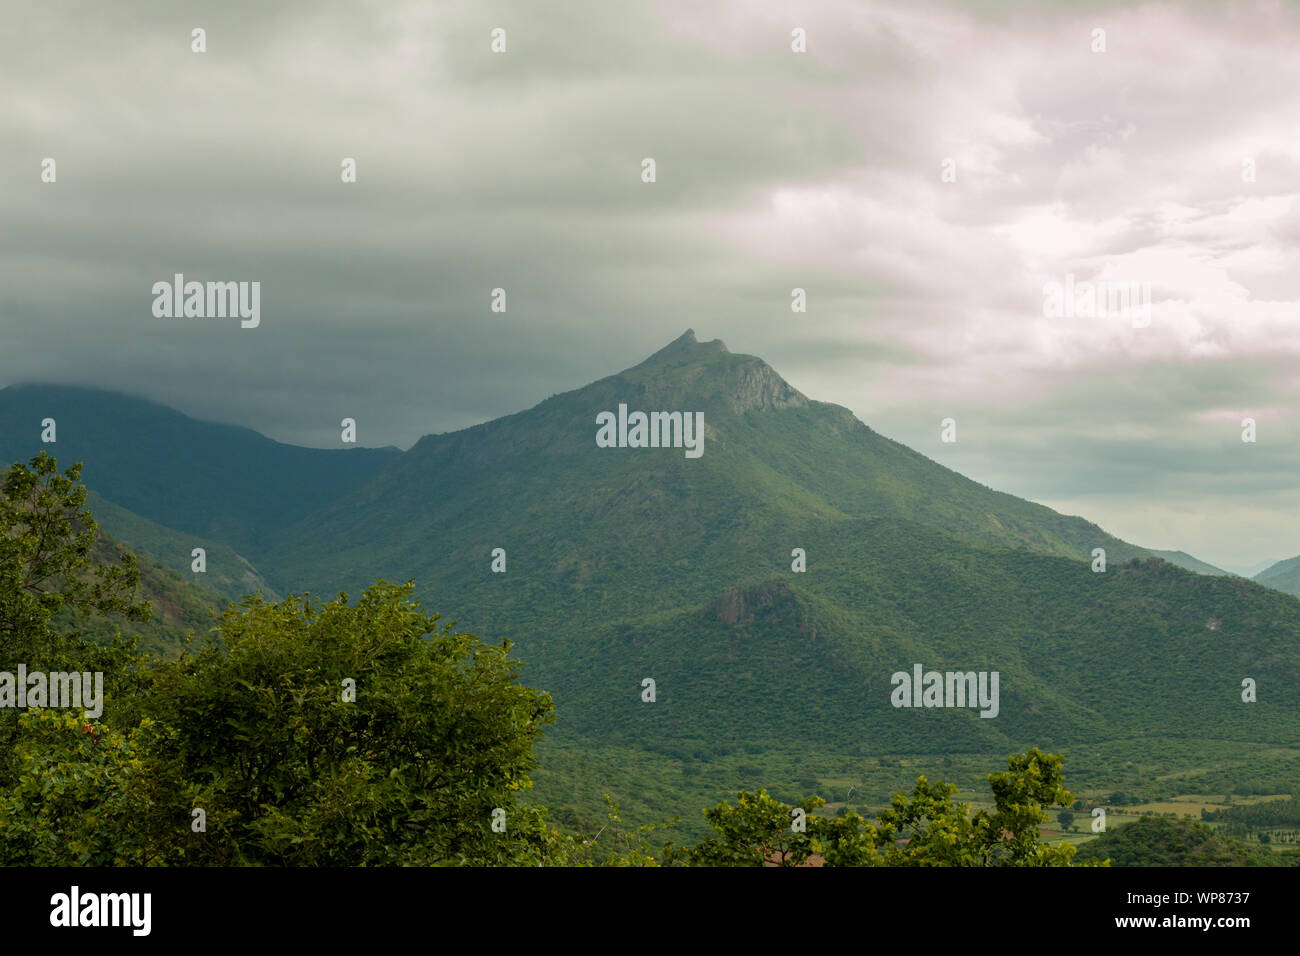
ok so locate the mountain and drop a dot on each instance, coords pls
(1249, 570)
(213, 481)
(1185, 560)
(811, 657)
(633, 563)
(1278, 569)
(228, 574)
(1283, 576)
(180, 607)
(624, 564)
(774, 460)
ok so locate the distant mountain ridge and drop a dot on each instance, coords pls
(215, 481)
(1189, 563)
(1283, 576)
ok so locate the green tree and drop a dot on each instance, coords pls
(46, 537)
(1009, 836)
(927, 828)
(1161, 841)
(757, 831)
(81, 798)
(260, 729)
(1066, 818)
(47, 570)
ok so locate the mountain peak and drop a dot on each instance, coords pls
(704, 372)
(684, 345)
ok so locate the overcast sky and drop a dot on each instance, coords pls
(775, 169)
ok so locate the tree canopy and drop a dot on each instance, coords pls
(925, 828)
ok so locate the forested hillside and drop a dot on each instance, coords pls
(764, 593)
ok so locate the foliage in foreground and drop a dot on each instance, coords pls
(301, 734)
(308, 733)
(927, 828)
(260, 733)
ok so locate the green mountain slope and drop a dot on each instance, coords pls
(1189, 563)
(577, 519)
(628, 563)
(1283, 576)
(228, 573)
(1145, 649)
(180, 607)
(215, 481)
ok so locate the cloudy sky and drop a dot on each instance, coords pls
(1172, 158)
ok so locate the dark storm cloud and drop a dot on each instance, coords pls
(775, 170)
